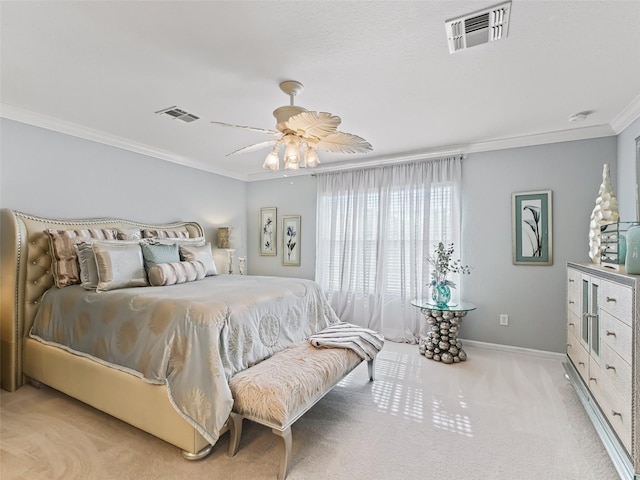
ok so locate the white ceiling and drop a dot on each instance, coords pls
(100, 70)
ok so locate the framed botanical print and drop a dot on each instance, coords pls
(268, 231)
(291, 240)
(532, 228)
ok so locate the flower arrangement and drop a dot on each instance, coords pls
(442, 265)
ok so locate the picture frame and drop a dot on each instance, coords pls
(291, 240)
(268, 231)
(532, 236)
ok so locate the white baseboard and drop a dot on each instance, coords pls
(512, 349)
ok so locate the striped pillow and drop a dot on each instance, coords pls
(66, 270)
(164, 233)
(177, 272)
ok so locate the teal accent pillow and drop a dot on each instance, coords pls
(155, 254)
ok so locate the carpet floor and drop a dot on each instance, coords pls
(500, 415)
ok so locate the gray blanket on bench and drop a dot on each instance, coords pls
(365, 342)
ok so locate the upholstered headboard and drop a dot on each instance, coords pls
(25, 269)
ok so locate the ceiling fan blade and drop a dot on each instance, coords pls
(253, 129)
(254, 147)
(314, 124)
(341, 142)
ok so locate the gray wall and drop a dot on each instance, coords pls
(291, 196)
(627, 188)
(55, 175)
(533, 297)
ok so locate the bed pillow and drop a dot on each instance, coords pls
(87, 260)
(146, 233)
(88, 269)
(154, 254)
(164, 274)
(119, 265)
(66, 270)
(200, 253)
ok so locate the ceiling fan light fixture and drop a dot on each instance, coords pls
(292, 153)
(272, 162)
(302, 133)
(311, 158)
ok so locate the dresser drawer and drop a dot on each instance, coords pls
(616, 335)
(615, 407)
(573, 324)
(617, 300)
(573, 291)
(578, 355)
(616, 370)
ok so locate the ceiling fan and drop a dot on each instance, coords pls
(302, 133)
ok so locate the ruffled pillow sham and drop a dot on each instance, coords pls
(66, 270)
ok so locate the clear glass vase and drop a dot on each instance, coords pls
(441, 294)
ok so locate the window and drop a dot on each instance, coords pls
(375, 230)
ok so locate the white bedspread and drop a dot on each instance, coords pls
(193, 337)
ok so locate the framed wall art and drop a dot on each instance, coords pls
(291, 240)
(532, 228)
(268, 233)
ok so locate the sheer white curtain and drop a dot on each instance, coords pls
(375, 228)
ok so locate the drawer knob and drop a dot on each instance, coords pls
(610, 367)
(614, 413)
(592, 379)
(568, 345)
(571, 280)
(571, 324)
(610, 334)
(611, 299)
(571, 302)
(581, 363)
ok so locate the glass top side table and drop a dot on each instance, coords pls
(441, 342)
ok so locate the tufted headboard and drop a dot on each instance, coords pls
(25, 275)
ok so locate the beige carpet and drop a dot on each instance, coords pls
(498, 416)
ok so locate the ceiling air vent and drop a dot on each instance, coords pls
(178, 113)
(483, 26)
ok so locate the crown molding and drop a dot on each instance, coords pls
(627, 116)
(18, 114)
(583, 133)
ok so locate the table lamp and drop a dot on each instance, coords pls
(224, 241)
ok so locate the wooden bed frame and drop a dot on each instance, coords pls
(25, 268)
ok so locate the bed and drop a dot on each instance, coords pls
(147, 401)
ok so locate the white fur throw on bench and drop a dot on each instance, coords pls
(279, 390)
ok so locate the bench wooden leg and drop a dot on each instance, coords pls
(371, 365)
(286, 451)
(235, 421)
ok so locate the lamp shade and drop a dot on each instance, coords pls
(223, 237)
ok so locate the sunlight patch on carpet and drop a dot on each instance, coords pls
(452, 422)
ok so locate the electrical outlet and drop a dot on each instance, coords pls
(504, 319)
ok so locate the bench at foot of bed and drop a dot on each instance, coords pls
(279, 390)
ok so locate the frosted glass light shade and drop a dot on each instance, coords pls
(292, 154)
(272, 162)
(311, 158)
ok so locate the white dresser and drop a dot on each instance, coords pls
(602, 341)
